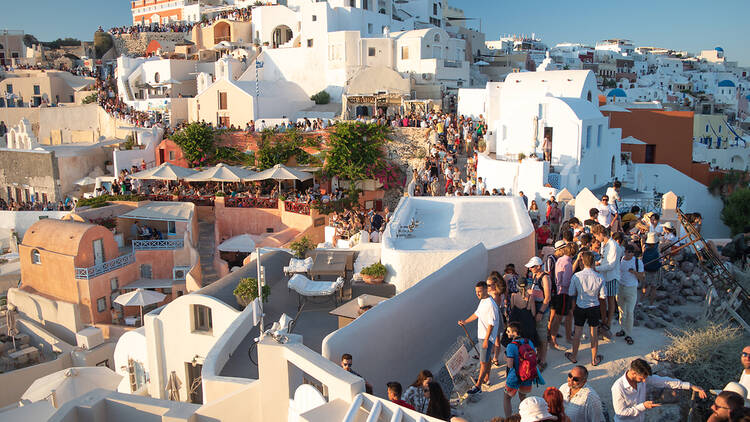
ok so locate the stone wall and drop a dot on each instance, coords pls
(407, 149)
(33, 170)
(135, 45)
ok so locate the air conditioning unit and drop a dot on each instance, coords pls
(426, 76)
(180, 273)
(89, 337)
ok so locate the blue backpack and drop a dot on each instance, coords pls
(651, 259)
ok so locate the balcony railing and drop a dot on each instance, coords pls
(297, 208)
(158, 244)
(205, 200)
(452, 63)
(104, 267)
(153, 197)
(251, 203)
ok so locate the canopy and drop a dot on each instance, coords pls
(482, 63)
(241, 243)
(71, 383)
(162, 211)
(139, 297)
(280, 172)
(221, 173)
(166, 171)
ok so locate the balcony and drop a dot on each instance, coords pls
(452, 63)
(104, 267)
(158, 244)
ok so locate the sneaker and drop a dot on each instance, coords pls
(475, 390)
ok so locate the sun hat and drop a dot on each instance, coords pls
(734, 387)
(534, 261)
(668, 225)
(560, 243)
(533, 409)
(651, 239)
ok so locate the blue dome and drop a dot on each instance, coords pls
(748, 97)
(719, 49)
(617, 92)
(726, 83)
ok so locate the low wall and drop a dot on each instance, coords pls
(20, 221)
(15, 383)
(426, 312)
(61, 319)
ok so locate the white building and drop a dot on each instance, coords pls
(619, 46)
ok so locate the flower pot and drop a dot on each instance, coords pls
(369, 279)
(242, 301)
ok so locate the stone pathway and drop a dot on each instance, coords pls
(206, 249)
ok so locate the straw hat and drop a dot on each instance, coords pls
(668, 225)
(560, 243)
(651, 239)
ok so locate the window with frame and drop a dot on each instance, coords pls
(310, 42)
(314, 18)
(146, 271)
(114, 284)
(101, 304)
(9, 88)
(37, 90)
(222, 101)
(202, 320)
(369, 28)
(588, 137)
(171, 227)
(405, 53)
(36, 257)
(171, 155)
(599, 135)
(371, 51)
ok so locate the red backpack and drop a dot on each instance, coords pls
(527, 361)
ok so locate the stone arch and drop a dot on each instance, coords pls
(222, 32)
(281, 35)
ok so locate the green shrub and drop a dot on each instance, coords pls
(101, 201)
(376, 270)
(247, 290)
(321, 97)
(90, 99)
(300, 247)
(736, 212)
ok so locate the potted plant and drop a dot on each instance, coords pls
(521, 156)
(300, 247)
(374, 274)
(247, 291)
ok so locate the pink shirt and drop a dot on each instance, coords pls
(563, 273)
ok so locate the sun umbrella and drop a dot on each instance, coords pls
(63, 386)
(241, 243)
(280, 172)
(221, 173)
(141, 298)
(173, 387)
(166, 171)
(86, 181)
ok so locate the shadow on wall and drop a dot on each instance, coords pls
(425, 316)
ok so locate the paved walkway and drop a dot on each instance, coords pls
(206, 250)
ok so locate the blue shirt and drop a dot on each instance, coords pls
(511, 351)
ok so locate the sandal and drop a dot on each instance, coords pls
(629, 340)
(597, 361)
(569, 355)
(620, 333)
(495, 362)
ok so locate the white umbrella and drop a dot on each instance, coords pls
(10, 321)
(280, 172)
(140, 297)
(482, 63)
(241, 243)
(221, 173)
(86, 181)
(71, 383)
(166, 171)
(173, 387)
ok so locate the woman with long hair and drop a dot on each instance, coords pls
(522, 310)
(438, 407)
(555, 403)
(415, 393)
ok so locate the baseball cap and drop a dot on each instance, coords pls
(534, 261)
(533, 409)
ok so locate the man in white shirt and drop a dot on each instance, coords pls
(629, 391)
(481, 187)
(613, 192)
(609, 267)
(588, 287)
(745, 377)
(607, 212)
(487, 316)
(582, 404)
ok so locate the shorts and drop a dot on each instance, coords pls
(541, 325)
(611, 287)
(653, 279)
(583, 315)
(512, 391)
(485, 355)
(562, 303)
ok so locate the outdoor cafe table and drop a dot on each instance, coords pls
(349, 311)
(329, 264)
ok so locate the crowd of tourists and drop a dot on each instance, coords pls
(35, 205)
(243, 14)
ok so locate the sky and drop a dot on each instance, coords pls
(690, 25)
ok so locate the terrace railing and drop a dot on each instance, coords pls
(251, 203)
(297, 208)
(161, 197)
(204, 200)
(158, 244)
(104, 267)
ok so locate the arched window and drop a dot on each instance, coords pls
(157, 77)
(36, 257)
(437, 37)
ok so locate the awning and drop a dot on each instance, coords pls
(162, 211)
(147, 283)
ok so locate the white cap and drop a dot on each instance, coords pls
(533, 409)
(734, 387)
(534, 261)
(668, 225)
(651, 239)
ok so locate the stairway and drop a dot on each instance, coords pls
(206, 250)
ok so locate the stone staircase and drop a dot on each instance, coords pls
(206, 250)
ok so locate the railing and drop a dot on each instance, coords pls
(251, 203)
(158, 244)
(451, 63)
(153, 197)
(554, 180)
(206, 200)
(104, 267)
(297, 208)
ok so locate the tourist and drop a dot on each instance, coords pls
(555, 404)
(562, 304)
(582, 404)
(346, 363)
(613, 192)
(394, 394)
(547, 148)
(496, 289)
(609, 268)
(607, 213)
(525, 199)
(652, 268)
(542, 293)
(554, 216)
(488, 319)
(415, 394)
(534, 212)
(629, 391)
(745, 377)
(438, 406)
(510, 276)
(727, 401)
(535, 409)
(593, 218)
(522, 311)
(628, 220)
(588, 287)
(631, 270)
(481, 186)
(543, 235)
(513, 382)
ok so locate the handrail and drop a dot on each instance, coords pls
(155, 244)
(297, 207)
(104, 267)
(375, 412)
(251, 202)
(397, 415)
(351, 414)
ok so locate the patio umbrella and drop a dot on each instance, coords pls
(173, 387)
(63, 386)
(221, 173)
(280, 172)
(141, 298)
(241, 243)
(166, 171)
(86, 181)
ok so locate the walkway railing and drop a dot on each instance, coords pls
(158, 244)
(161, 197)
(104, 267)
(251, 203)
(297, 208)
(205, 200)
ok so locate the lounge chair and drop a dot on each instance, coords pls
(298, 266)
(307, 288)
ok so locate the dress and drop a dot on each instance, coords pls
(520, 311)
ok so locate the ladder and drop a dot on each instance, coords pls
(726, 297)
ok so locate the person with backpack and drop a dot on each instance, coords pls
(522, 367)
(609, 268)
(488, 320)
(631, 269)
(542, 288)
(588, 287)
(652, 267)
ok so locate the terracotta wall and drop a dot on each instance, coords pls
(85, 257)
(235, 221)
(161, 263)
(168, 145)
(638, 152)
(53, 266)
(98, 287)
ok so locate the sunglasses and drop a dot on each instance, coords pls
(745, 354)
(575, 379)
(346, 365)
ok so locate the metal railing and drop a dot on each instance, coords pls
(297, 208)
(251, 203)
(205, 200)
(104, 267)
(554, 180)
(452, 63)
(158, 244)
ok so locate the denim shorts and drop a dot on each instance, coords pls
(485, 355)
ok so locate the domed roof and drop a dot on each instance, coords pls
(617, 92)
(719, 49)
(58, 236)
(726, 83)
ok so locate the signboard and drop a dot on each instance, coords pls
(456, 362)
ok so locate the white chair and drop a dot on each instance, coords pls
(296, 266)
(307, 288)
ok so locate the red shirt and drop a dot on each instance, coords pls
(403, 403)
